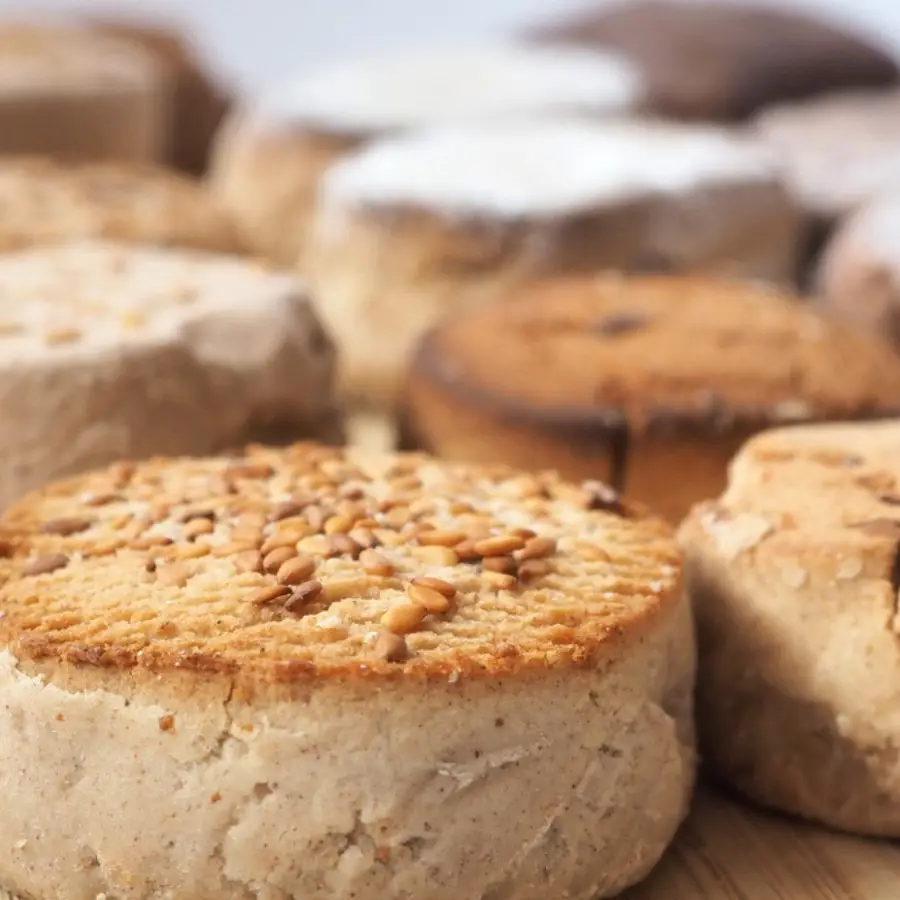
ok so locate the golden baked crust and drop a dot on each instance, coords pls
(160, 565)
(44, 201)
(657, 353)
(794, 575)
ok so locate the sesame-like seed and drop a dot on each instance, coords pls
(302, 595)
(248, 561)
(533, 568)
(316, 545)
(337, 525)
(288, 509)
(340, 588)
(403, 619)
(499, 564)
(363, 537)
(249, 471)
(466, 551)
(274, 560)
(175, 574)
(279, 540)
(436, 584)
(269, 593)
(440, 557)
(44, 565)
(374, 563)
(391, 647)
(499, 546)
(536, 548)
(62, 336)
(342, 545)
(437, 538)
(525, 533)
(247, 535)
(192, 514)
(296, 570)
(149, 541)
(498, 580)
(428, 598)
(397, 517)
(191, 551)
(66, 526)
(316, 517)
(101, 499)
(197, 527)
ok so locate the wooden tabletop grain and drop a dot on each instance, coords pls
(728, 851)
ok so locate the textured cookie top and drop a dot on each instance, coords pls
(277, 565)
(66, 300)
(660, 351)
(543, 168)
(37, 57)
(838, 151)
(43, 201)
(823, 502)
(442, 84)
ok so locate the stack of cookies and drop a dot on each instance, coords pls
(359, 499)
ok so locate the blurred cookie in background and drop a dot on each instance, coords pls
(78, 95)
(650, 383)
(271, 154)
(858, 278)
(43, 201)
(836, 153)
(114, 352)
(724, 62)
(413, 228)
(200, 100)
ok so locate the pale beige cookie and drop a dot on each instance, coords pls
(649, 382)
(338, 674)
(271, 155)
(80, 95)
(412, 229)
(793, 574)
(44, 202)
(859, 273)
(110, 351)
(837, 151)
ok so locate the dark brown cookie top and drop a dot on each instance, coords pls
(710, 61)
(659, 353)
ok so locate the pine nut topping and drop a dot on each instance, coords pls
(391, 647)
(65, 527)
(533, 568)
(537, 548)
(375, 564)
(430, 600)
(44, 565)
(273, 561)
(296, 570)
(248, 561)
(441, 538)
(175, 574)
(269, 593)
(499, 564)
(499, 546)
(403, 619)
(303, 595)
(436, 584)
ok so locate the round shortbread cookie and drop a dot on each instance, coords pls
(837, 151)
(43, 202)
(110, 351)
(412, 228)
(793, 574)
(74, 94)
(651, 383)
(322, 673)
(272, 154)
(859, 273)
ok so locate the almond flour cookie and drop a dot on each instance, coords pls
(78, 95)
(794, 578)
(414, 228)
(318, 673)
(725, 61)
(271, 155)
(44, 202)
(859, 274)
(200, 101)
(651, 383)
(109, 351)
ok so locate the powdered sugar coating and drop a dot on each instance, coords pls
(388, 92)
(543, 167)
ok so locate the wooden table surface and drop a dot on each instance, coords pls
(728, 851)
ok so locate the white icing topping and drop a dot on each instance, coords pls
(542, 167)
(839, 151)
(453, 84)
